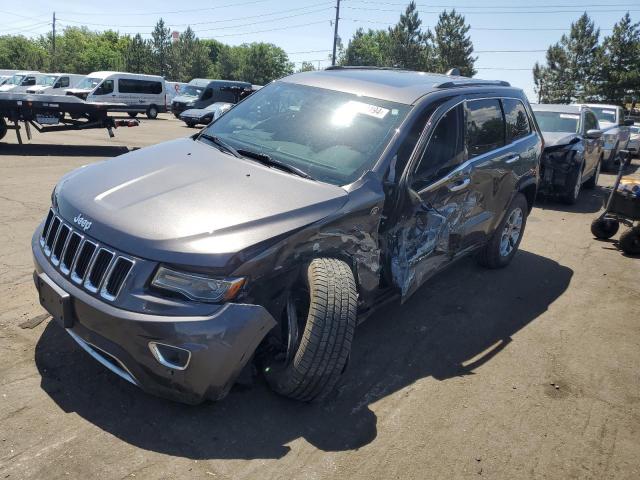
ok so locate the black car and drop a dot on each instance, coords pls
(265, 238)
(573, 150)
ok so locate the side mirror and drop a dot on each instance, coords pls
(593, 134)
(628, 122)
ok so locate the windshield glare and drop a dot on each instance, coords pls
(191, 91)
(605, 114)
(558, 122)
(88, 83)
(48, 80)
(333, 136)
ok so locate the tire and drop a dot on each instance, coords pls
(499, 251)
(604, 228)
(325, 341)
(572, 196)
(132, 114)
(630, 241)
(3, 128)
(152, 112)
(593, 181)
(190, 124)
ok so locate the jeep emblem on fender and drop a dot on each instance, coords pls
(82, 222)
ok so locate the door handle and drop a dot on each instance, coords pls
(515, 158)
(459, 185)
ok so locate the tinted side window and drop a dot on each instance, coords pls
(208, 93)
(590, 122)
(226, 94)
(445, 150)
(105, 88)
(485, 126)
(516, 119)
(63, 82)
(126, 85)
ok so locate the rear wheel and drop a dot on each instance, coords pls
(320, 324)
(504, 242)
(604, 228)
(132, 114)
(630, 241)
(152, 112)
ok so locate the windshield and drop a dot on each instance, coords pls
(47, 80)
(15, 80)
(605, 114)
(191, 91)
(558, 122)
(332, 136)
(88, 83)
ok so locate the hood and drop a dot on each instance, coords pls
(195, 112)
(558, 139)
(6, 88)
(184, 98)
(187, 202)
(38, 88)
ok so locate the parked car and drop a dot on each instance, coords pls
(634, 140)
(264, 239)
(54, 83)
(201, 92)
(573, 153)
(615, 131)
(140, 93)
(204, 116)
(21, 78)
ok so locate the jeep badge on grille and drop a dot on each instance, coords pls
(82, 222)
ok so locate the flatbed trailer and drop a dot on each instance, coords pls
(55, 113)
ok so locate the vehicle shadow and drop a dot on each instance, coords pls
(46, 150)
(459, 321)
(589, 201)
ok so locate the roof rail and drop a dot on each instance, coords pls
(359, 67)
(472, 83)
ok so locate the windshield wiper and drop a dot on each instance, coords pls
(267, 160)
(221, 144)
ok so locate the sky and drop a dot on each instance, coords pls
(509, 36)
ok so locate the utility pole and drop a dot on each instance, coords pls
(53, 44)
(335, 33)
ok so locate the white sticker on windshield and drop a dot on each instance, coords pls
(609, 112)
(367, 109)
(569, 115)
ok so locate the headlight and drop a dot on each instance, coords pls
(197, 287)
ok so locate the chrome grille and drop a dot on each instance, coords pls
(95, 267)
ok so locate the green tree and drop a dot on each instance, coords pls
(160, 46)
(367, 48)
(452, 44)
(18, 52)
(619, 73)
(263, 62)
(409, 46)
(139, 56)
(306, 67)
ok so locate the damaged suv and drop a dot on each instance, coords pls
(263, 240)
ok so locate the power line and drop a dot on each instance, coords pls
(25, 29)
(502, 6)
(168, 12)
(327, 4)
(496, 12)
(515, 29)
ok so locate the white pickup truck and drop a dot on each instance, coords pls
(615, 130)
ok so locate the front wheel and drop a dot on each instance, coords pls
(630, 241)
(504, 242)
(321, 326)
(593, 181)
(571, 197)
(152, 112)
(604, 228)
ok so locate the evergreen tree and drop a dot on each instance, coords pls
(138, 56)
(619, 74)
(409, 46)
(161, 44)
(452, 44)
(367, 48)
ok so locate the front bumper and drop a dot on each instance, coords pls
(220, 344)
(557, 173)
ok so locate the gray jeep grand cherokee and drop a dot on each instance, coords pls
(264, 239)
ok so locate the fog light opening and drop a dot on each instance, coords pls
(169, 356)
